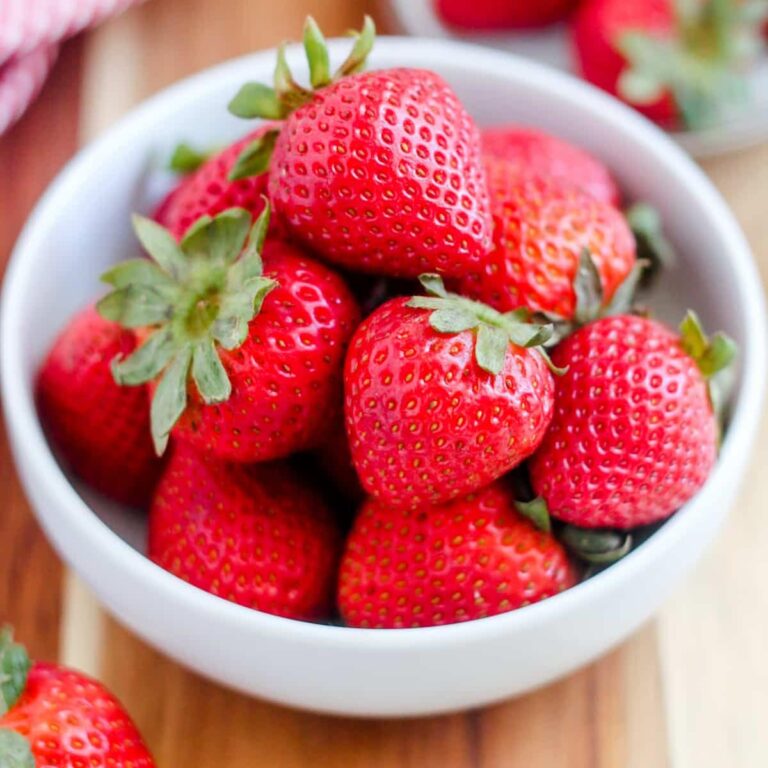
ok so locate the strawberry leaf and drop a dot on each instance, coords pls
(594, 545)
(208, 373)
(588, 289)
(254, 159)
(711, 355)
(453, 320)
(537, 512)
(14, 670)
(147, 361)
(221, 238)
(360, 50)
(160, 244)
(170, 399)
(316, 50)
(15, 751)
(135, 306)
(256, 100)
(186, 159)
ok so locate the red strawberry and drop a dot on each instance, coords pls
(541, 228)
(265, 351)
(440, 403)
(335, 461)
(634, 435)
(256, 535)
(208, 190)
(473, 557)
(535, 153)
(675, 62)
(502, 14)
(378, 171)
(53, 716)
(101, 429)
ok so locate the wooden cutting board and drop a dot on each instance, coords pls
(689, 690)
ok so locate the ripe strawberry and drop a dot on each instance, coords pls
(208, 190)
(265, 351)
(675, 62)
(634, 435)
(535, 153)
(378, 171)
(101, 429)
(502, 14)
(256, 535)
(541, 228)
(440, 403)
(334, 459)
(53, 716)
(473, 557)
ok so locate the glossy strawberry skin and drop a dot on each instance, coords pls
(502, 14)
(287, 375)
(426, 423)
(100, 428)
(72, 721)
(599, 24)
(256, 535)
(535, 153)
(381, 173)
(541, 227)
(208, 191)
(471, 558)
(633, 436)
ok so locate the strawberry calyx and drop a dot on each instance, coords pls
(194, 297)
(537, 512)
(597, 546)
(653, 247)
(15, 751)
(257, 100)
(712, 355)
(495, 331)
(186, 159)
(699, 64)
(14, 670)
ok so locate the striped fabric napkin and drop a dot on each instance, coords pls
(30, 34)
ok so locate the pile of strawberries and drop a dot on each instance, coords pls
(681, 64)
(378, 366)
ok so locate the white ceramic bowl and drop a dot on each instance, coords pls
(81, 225)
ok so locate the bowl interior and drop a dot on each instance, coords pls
(88, 227)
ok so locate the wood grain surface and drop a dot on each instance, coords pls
(689, 690)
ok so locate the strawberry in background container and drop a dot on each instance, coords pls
(698, 69)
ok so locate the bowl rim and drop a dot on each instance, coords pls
(30, 446)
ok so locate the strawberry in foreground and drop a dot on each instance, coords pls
(473, 557)
(262, 345)
(257, 535)
(53, 716)
(502, 14)
(535, 153)
(443, 395)
(377, 171)
(542, 225)
(634, 435)
(677, 63)
(101, 429)
(207, 190)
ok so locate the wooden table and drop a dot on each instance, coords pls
(689, 690)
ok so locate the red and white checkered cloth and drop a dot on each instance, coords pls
(30, 33)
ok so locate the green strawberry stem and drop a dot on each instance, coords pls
(14, 669)
(257, 100)
(701, 64)
(495, 331)
(596, 546)
(196, 297)
(15, 750)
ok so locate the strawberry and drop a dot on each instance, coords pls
(256, 535)
(502, 14)
(542, 227)
(473, 557)
(264, 349)
(54, 716)
(101, 429)
(536, 153)
(334, 459)
(440, 403)
(634, 434)
(379, 171)
(677, 63)
(207, 190)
